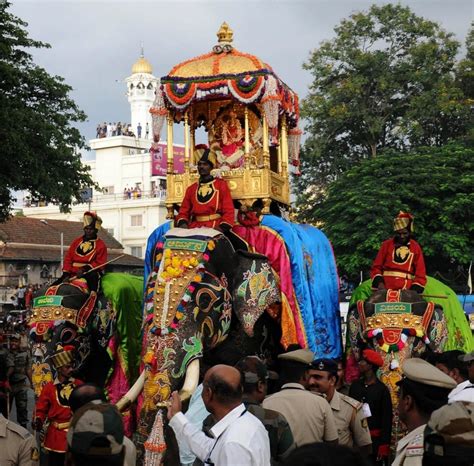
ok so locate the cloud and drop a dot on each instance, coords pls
(94, 44)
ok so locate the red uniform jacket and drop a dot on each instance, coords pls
(207, 205)
(84, 252)
(53, 404)
(399, 267)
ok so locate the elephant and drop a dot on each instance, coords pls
(204, 302)
(103, 328)
(398, 324)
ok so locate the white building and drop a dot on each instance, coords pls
(132, 204)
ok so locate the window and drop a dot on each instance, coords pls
(136, 251)
(136, 220)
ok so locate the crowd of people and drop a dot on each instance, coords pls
(249, 415)
(22, 296)
(310, 413)
(108, 130)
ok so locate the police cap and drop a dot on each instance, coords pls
(420, 371)
(327, 365)
(303, 356)
(467, 357)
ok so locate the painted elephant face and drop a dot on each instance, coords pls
(398, 324)
(70, 318)
(197, 288)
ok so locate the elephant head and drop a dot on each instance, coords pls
(65, 315)
(199, 292)
(398, 324)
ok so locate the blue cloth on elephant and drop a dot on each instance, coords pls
(315, 281)
(157, 235)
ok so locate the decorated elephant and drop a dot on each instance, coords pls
(400, 324)
(104, 330)
(200, 296)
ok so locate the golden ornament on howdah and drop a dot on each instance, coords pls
(251, 120)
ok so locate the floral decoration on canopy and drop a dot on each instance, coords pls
(226, 73)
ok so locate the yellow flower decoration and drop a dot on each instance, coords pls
(197, 278)
(211, 245)
(168, 253)
(175, 261)
(148, 357)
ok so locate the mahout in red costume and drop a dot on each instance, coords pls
(399, 263)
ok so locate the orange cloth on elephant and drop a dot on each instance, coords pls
(207, 204)
(400, 266)
(53, 404)
(83, 252)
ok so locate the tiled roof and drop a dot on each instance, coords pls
(38, 231)
(40, 241)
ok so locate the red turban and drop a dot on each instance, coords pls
(372, 357)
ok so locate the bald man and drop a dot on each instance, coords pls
(239, 438)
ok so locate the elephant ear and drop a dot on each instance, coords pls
(255, 288)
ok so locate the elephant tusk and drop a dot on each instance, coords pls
(132, 394)
(191, 381)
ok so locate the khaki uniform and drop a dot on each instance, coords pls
(410, 448)
(309, 415)
(351, 423)
(17, 446)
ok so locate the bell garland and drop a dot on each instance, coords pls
(377, 333)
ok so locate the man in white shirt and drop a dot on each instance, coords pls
(239, 438)
(465, 390)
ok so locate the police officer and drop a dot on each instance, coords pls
(449, 435)
(17, 446)
(423, 390)
(309, 415)
(351, 422)
(19, 375)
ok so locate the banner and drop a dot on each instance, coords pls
(159, 160)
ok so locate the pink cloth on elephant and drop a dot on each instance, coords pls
(118, 385)
(267, 242)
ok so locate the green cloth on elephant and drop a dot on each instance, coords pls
(124, 291)
(459, 334)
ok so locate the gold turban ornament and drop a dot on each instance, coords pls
(62, 356)
(403, 220)
(91, 218)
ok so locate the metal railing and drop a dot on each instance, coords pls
(105, 197)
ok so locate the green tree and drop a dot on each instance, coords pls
(435, 184)
(40, 149)
(465, 69)
(384, 81)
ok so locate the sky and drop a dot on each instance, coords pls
(94, 44)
